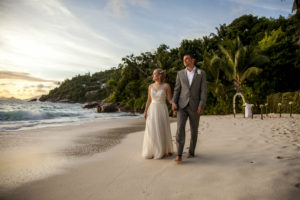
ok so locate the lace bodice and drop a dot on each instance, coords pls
(158, 95)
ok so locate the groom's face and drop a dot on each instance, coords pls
(188, 61)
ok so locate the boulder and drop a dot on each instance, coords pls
(139, 110)
(93, 104)
(34, 99)
(64, 101)
(125, 108)
(107, 107)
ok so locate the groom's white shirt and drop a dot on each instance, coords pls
(190, 75)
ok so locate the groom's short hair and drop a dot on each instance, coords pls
(192, 55)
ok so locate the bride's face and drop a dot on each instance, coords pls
(156, 76)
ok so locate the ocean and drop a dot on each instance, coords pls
(20, 115)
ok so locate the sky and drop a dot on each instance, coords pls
(43, 42)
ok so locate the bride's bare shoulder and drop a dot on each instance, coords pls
(167, 85)
(150, 86)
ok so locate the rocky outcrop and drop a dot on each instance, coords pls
(64, 101)
(56, 100)
(107, 107)
(34, 99)
(93, 104)
(125, 108)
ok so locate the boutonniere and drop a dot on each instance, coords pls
(198, 71)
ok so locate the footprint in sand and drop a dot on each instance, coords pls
(286, 157)
(297, 185)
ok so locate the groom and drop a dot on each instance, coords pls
(189, 100)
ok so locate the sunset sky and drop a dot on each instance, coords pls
(43, 42)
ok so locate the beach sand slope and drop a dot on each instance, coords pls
(236, 158)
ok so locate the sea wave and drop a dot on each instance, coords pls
(21, 115)
(18, 115)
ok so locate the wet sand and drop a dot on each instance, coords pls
(38, 153)
(236, 158)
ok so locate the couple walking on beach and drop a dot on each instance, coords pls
(188, 100)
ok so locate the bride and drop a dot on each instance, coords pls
(157, 137)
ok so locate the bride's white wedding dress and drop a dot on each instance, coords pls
(157, 137)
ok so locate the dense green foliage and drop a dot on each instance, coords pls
(284, 99)
(254, 56)
(82, 88)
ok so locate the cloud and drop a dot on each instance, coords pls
(120, 7)
(45, 36)
(7, 84)
(22, 76)
(237, 10)
(42, 91)
(4, 92)
(267, 5)
(25, 89)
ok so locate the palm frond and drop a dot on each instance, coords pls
(296, 5)
(227, 55)
(249, 72)
(259, 60)
(236, 61)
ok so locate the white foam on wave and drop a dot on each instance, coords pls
(20, 115)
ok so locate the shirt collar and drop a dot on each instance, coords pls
(193, 71)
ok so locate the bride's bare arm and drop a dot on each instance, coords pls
(169, 93)
(148, 102)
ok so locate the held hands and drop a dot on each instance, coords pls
(174, 107)
(200, 110)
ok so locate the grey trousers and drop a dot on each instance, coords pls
(182, 116)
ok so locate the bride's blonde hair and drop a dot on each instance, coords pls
(162, 73)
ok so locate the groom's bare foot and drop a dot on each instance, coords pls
(178, 159)
(190, 156)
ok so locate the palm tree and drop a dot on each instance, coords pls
(240, 64)
(211, 63)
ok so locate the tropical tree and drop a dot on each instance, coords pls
(211, 63)
(296, 6)
(240, 64)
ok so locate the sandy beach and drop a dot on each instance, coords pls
(236, 158)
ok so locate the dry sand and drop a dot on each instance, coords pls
(236, 158)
